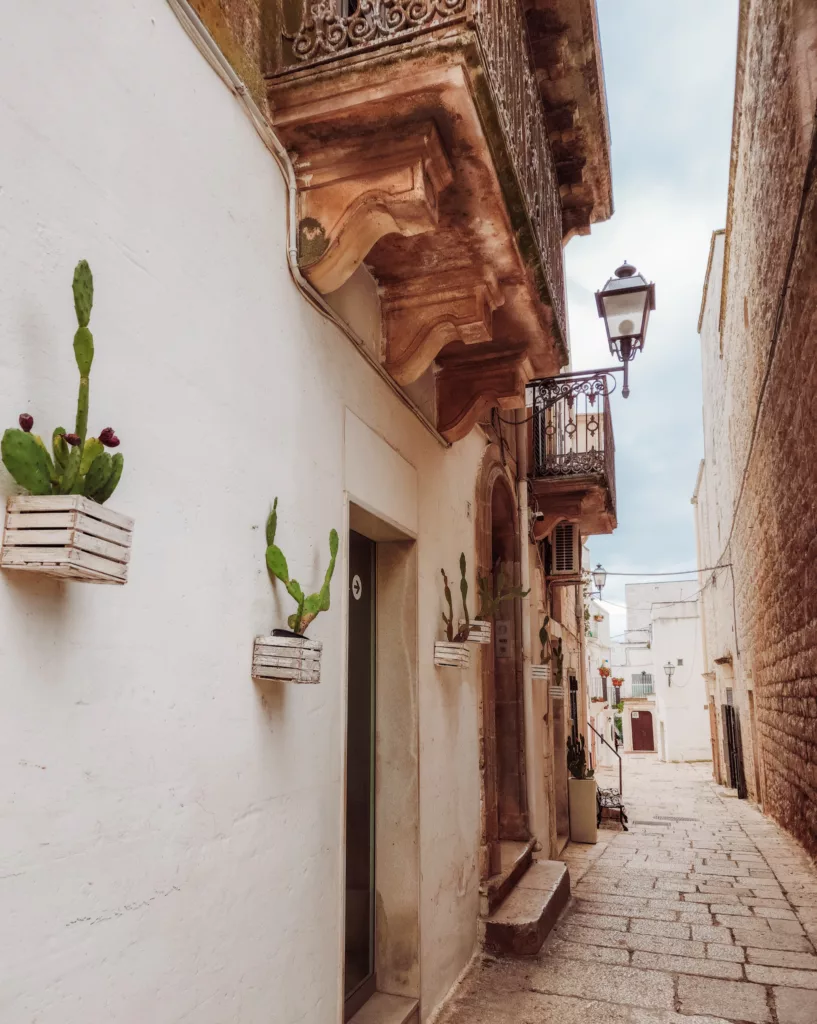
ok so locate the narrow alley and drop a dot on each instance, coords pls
(704, 912)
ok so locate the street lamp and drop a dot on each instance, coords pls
(599, 577)
(625, 303)
(669, 668)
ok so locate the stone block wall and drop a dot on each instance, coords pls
(760, 372)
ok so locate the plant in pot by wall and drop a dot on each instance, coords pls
(581, 793)
(542, 670)
(287, 655)
(453, 652)
(60, 528)
(604, 671)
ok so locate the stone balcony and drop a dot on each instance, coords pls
(423, 145)
(572, 449)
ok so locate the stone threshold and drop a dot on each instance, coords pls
(517, 858)
(526, 917)
(387, 1009)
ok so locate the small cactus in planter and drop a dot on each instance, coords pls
(542, 670)
(77, 464)
(308, 607)
(287, 655)
(453, 651)
(490, 599)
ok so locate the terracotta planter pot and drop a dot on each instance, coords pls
(583, 810)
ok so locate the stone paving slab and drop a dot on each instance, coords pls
(706, 918)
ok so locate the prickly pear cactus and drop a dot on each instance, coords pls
(80, 464)
(307, 607)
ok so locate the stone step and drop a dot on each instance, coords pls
(387, 1009)
(525, 918)
(516, 859)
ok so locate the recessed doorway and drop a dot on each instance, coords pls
(359, 963)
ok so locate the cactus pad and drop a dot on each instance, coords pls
(27, 461)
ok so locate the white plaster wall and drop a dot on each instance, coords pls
(682, 706)
(171, 846)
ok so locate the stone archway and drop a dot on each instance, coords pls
(504, 792)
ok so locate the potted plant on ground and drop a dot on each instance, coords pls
(287, 655)
(581, 793)
(453, 651)
(60, 527)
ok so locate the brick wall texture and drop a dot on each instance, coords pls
(757, 501)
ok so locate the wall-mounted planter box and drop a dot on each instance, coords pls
(479, 631)
(67, 536)
(288, 659)
(558, 692)
(451, 655)
(540, 672)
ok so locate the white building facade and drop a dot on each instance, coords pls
(178, 836)
(664, 713)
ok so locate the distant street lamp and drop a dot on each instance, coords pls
(669, 668)
(625, 303)
(600, 577)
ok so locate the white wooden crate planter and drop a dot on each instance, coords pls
(67, 536)
(540, 672)
(479, 631)
(451, 655)
(288, 659)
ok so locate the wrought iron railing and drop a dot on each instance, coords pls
(598, 687)
(330, 30)
(572, 428)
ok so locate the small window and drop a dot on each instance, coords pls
(729, 699)
(680, 661)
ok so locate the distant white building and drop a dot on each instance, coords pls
(662, 713)
(600, 709)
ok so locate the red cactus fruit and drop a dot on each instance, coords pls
(26, 422)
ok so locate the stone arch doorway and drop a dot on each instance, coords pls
(504, 793)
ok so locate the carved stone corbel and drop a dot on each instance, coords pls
(351, 194)
(424, 314)
(467, 387)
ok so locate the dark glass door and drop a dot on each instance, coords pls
(359, 980)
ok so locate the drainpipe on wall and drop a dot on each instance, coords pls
(206, 45)
(534, 768)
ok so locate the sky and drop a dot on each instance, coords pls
(670, 73)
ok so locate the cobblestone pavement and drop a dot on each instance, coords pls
(704, 912)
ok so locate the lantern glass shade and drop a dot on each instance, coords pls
(625, 303)
(669, 668)
(599, 577)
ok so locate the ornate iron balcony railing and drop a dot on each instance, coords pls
(333, 30)
(572, 428)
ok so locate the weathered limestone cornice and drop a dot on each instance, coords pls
(428, 312)
(353, 193)
(468, 385)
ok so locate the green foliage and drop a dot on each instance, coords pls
(559, 662)
(307, 607)
(490, 599)
(79, 465)
(544, 641)
(577, 759)
(464, 593)
(26, 460)
(461, 635)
